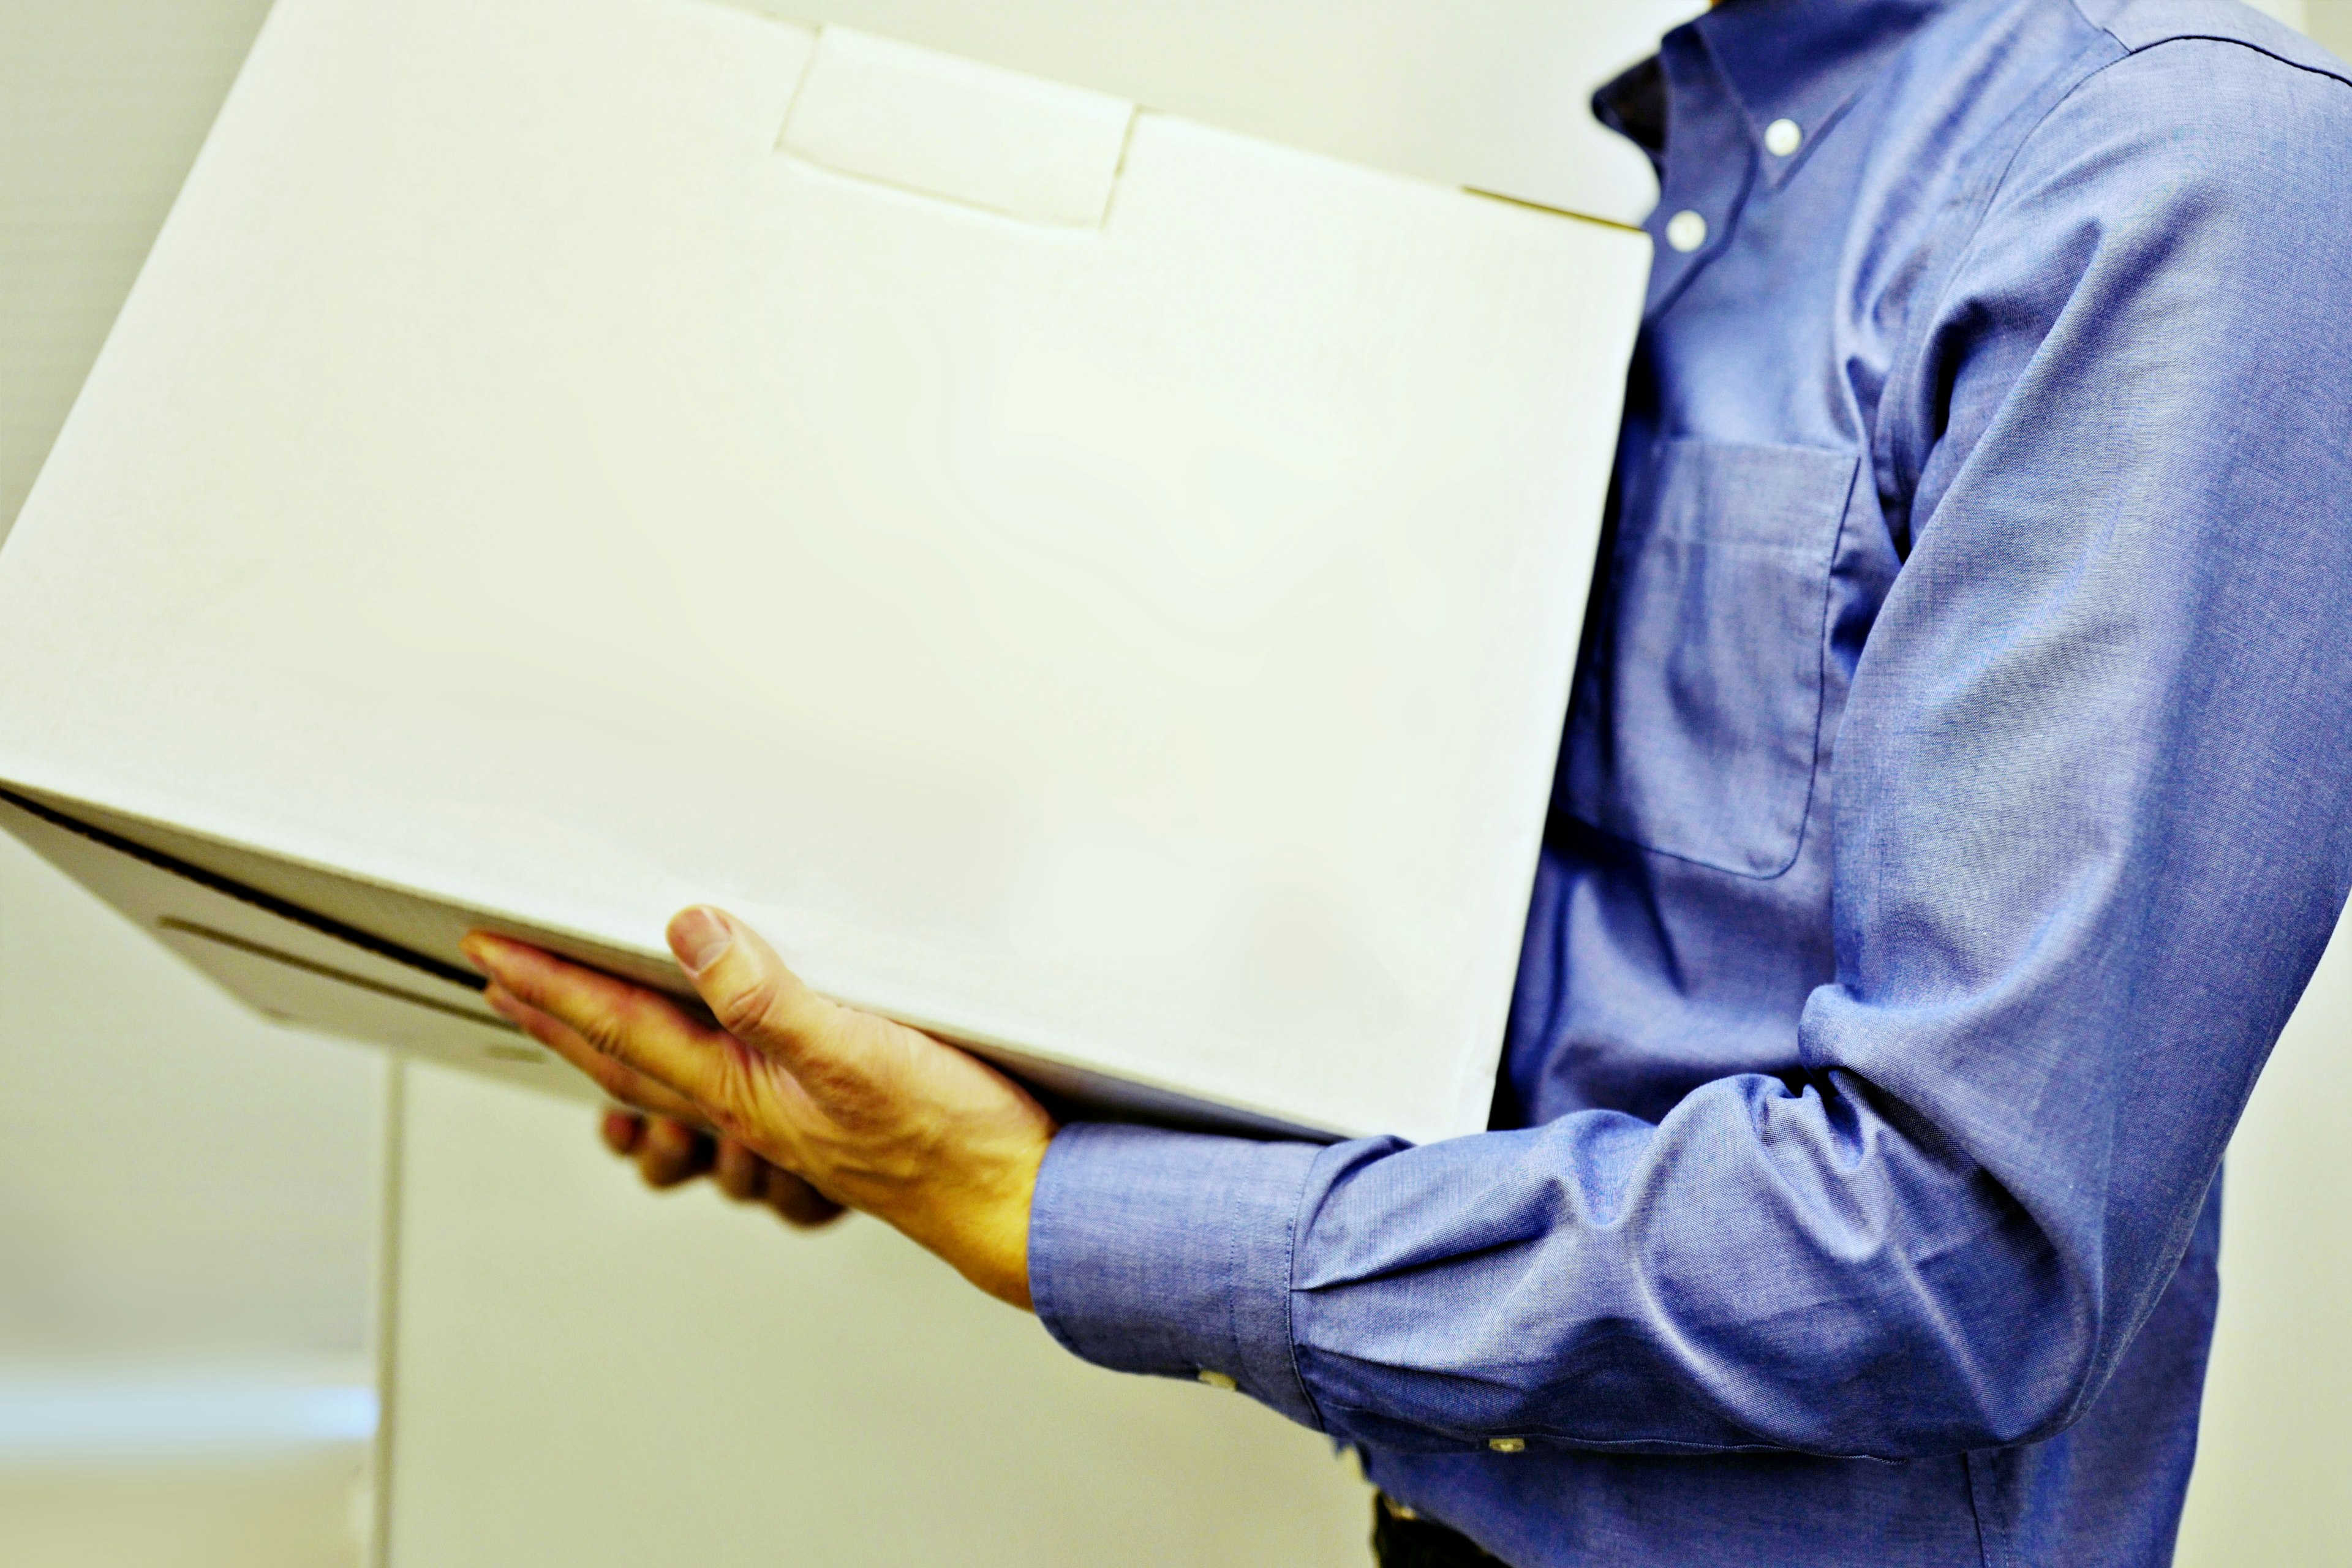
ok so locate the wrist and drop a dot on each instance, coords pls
(979, 1220)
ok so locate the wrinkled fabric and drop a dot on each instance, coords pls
(1955, 799)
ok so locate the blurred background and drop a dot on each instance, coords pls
(195, 1365)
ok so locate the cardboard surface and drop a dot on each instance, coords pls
(290, 969)
(553, 469)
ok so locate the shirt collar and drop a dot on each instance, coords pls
(1634, 106)
(1799, 60)
(1804, 61)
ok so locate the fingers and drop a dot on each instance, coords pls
(741, 1174)
(642, 1031)
(800, 1203)
(621, 1129)
(672, 1153)
(791, 1080)
(665, 1151)
(615, 1078)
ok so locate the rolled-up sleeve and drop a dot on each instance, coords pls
(2091, 827)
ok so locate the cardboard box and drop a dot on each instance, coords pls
(1096, 586)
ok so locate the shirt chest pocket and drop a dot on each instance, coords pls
(1698, 713)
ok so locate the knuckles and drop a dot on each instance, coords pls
(731, 1094)
(605, 1031)
(749, 1010)
(609, 1024)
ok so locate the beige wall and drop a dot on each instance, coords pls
(179, 1181)
(2330, 21)
(590, 1369)
(103, 105)
(590, 1375)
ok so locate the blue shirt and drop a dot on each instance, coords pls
(1955, 797)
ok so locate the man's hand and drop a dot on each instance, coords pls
(669, 1152)
(870, 1114)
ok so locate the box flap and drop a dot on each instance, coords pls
(952, 128)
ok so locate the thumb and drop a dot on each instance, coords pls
(755, 998)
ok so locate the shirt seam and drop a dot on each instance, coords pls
(1976, 1467)
(1290, 1303)
(1822, 649)
(1916, 331)
(2130, 49)
(1999, 183)
(2338, 77)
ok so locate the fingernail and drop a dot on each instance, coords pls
(479, 954)
(499, 999)
(699, 936)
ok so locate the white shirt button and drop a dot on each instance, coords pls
(1217, 1380)
(1687, 231)
(1783, 137)
(1507, 1444)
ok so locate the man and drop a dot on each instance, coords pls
(1955, 797)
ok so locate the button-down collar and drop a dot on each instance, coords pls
(1702, 107)
(1804, 61)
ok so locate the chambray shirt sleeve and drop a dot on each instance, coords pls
(2092, 828)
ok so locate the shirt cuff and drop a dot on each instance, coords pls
(1170, 1253)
